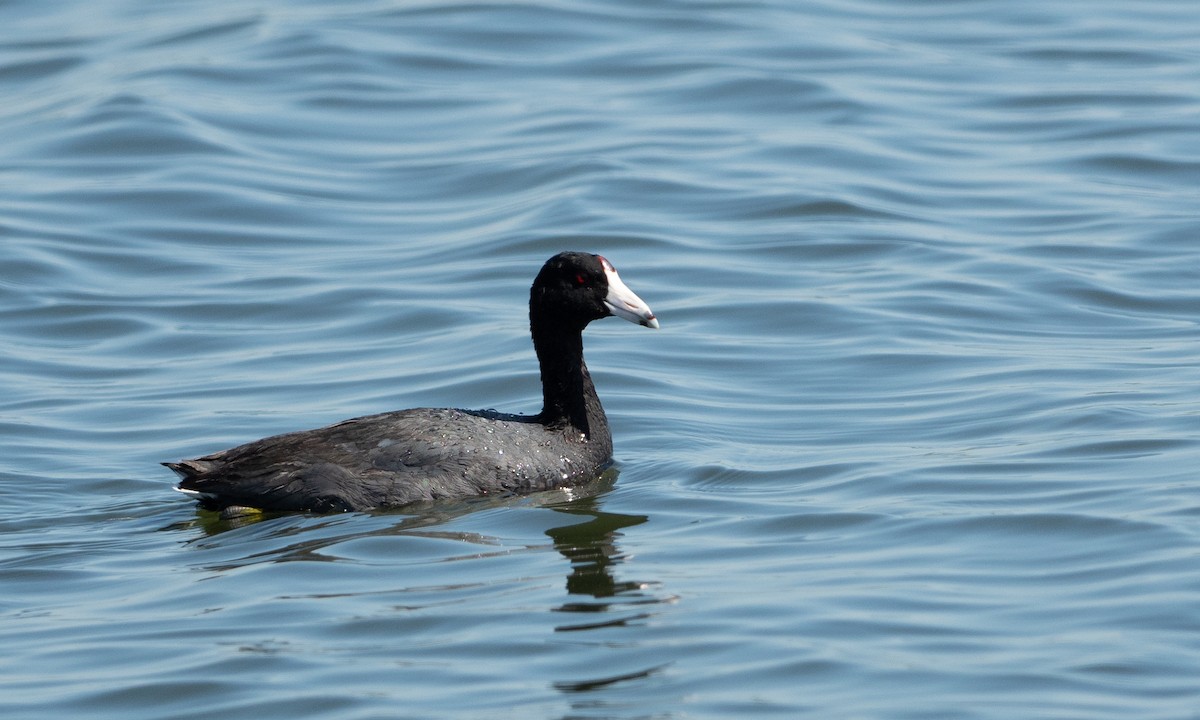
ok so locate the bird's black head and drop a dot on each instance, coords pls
(575, 288)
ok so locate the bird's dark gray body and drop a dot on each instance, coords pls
(407, 456)
(398, 458)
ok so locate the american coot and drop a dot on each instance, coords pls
(426, 454)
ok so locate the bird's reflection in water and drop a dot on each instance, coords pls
(591, 548)
(599, 600)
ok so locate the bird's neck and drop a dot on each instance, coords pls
(568, 395)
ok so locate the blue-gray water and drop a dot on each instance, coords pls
(919, 436)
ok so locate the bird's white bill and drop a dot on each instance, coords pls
(622, 301)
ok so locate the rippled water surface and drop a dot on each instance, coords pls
(918, 438)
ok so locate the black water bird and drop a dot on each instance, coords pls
(406, 456)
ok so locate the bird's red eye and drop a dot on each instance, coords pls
(580, 279)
